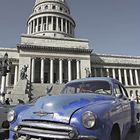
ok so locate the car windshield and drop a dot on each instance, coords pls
(97, 87)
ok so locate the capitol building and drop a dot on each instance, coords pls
(54, 55)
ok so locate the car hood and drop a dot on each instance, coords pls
(60, 108)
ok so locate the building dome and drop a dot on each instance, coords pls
(51, 18)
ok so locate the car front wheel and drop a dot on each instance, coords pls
(115, 133)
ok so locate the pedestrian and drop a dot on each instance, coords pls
(137, 96)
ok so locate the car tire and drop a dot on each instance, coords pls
(115, 133)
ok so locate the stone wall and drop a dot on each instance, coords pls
(55, 42)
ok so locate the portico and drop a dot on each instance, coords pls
(127, 76)
(124, 68)
(54, 70)
(54, 60)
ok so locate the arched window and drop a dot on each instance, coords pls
(46, 7)
(61, 8)
(53, 7)
(39, 8)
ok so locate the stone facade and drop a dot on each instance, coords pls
(124, 68)
(67, 59)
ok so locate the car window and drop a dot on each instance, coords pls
(117, 90)
(125, 94)
(98, 87)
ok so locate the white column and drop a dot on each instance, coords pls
(125, 77)
(78, 69)
(7, 79)
(42, 70)
(113, 73)
(33, 70)
(37, 24)
(131, 77)
(101, 72)
(28, 29)
(57, 24)
(33, 26)
(62, 25)
(41, 28)
(51, 71)
(136, 77)
(3, 84)
(107, 72)
(66, 25)
(60, 71)
(69, 70)
(120, 76)
(16, 75)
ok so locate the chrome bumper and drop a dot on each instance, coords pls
(79, 138)
(40, 130)
(87, 138)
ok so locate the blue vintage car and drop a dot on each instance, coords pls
(88, 109)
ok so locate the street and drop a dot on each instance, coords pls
(130, 136)
(134, 136)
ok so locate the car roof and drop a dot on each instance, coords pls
(107, 79)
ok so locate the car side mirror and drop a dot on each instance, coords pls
(125, 98)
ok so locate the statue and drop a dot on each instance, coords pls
(23, 72)
(88, 74)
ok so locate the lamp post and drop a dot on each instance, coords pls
(5, 68)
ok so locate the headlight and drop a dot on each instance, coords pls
(11, 115)
(88, 119)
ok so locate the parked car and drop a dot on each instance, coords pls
(89, 109)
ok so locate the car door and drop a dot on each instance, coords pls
(119, 102)
(125, 103)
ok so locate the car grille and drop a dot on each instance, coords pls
(37, 129)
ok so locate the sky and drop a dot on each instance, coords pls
(111, 26)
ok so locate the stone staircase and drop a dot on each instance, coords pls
(19, 92)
